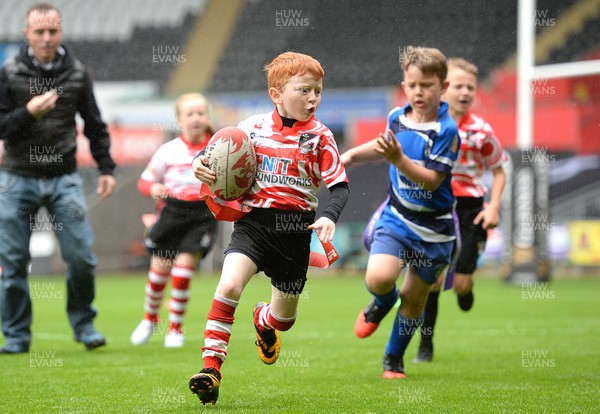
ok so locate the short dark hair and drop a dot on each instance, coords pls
(42, 8)
(428, 59)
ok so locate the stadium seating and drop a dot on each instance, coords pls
(116, 39)
(106, 20)
(359, 57)
(132, 60)
(578, 44)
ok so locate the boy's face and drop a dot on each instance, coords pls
(300, 97)
(461, 91)
(193, 118)
(424, 92)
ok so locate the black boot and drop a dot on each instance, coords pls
(425, 353)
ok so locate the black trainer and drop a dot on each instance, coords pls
(425, 352)
(465, 302)
(205, 385)
(393, 367)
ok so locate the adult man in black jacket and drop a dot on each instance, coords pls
(41, 90)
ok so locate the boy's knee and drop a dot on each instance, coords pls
(229, 290)
(380, 285)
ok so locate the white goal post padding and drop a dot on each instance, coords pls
(527, 72)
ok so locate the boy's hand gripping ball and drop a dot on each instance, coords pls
(232, 157)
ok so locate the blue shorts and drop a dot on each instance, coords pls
(426, 258)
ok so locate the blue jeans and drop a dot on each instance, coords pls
(20, 199)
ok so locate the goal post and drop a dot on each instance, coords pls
(526, 196)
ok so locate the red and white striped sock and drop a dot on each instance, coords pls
(218, 331)
(180, 294)
(155, 290)
(266, 319)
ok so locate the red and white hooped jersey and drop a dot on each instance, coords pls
(292, 162)
(479, 148)
(171, 165)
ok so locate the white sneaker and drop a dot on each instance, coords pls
(143, 332)
(174, 339)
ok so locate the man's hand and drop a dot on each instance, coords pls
(106, 185)
(42, 104)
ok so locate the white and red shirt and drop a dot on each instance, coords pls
(292, 162)
(479, 148)
(171, 165)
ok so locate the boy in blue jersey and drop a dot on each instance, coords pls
(416, 228)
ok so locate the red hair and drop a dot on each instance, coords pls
(290, 64)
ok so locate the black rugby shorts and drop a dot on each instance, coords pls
(278, 242)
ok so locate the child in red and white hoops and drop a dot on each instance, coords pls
(185, 229)
(295, 154)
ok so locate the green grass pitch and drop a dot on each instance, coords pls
(521, 349)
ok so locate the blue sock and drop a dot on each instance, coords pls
(386, 300)
(402, 332)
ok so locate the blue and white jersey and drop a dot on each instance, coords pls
(414, 212)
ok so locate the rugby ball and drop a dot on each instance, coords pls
(232, 157)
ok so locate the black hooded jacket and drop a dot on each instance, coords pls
(45, 147)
